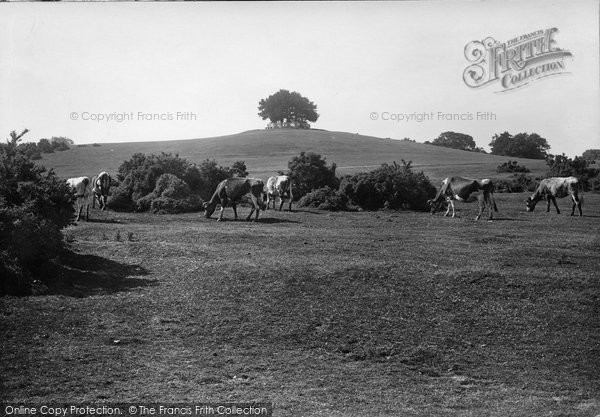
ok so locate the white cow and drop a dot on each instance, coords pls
(83, 191)
(560, 187)
(280, 186)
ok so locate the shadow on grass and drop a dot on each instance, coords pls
(315, 211)
(273, 220)
(108, 221)
(77, 275)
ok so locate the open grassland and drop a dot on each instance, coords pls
(323, 314)
(268, 151)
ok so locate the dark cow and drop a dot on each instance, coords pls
(280, 186)
(465, 190)
(231, 191)
(100, 189)
(557, 187)
(81, 187)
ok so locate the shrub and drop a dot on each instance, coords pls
(34, 206)
(139, 184)
(171, 195)
(325, 199)
(309, 171)
(518, 183)
(511, 166)
(390, 186)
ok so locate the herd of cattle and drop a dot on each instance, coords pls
(232, 190)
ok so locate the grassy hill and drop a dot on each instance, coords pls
(267, 151)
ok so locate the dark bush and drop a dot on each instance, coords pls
(518, 183)
(34, 206)
(325, 199)
(30, 150)
(390, 186)
(511, 166)
(171, 195)
(309, 171)
(139, 185)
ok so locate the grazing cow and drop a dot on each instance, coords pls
(231, 191)
(100, 189)
(560, 187)
(466, 190)
(81, 187)
(280, 186)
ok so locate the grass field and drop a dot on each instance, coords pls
(267, 151)
(323, 314)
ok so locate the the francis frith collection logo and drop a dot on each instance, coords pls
(515, 63)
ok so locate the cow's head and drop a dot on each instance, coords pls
(209, 209)
(434, 205)
(530, 204)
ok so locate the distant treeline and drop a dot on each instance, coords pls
(34, 150)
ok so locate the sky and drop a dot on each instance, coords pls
(129, 71)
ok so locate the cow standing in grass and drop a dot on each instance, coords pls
(231, 190)
(465, 190)
(551, 188)
(100, 189)
(280, 186)
(83, 191)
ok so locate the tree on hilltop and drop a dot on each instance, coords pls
(456, 140)
(285, 109)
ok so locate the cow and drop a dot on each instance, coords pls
(231, 191)
(83, 191)
(280, 186)
(465, 190)
(556, 187)
(100, 189)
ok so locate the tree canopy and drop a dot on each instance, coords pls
(309, 171)
(456, 141)
(591, 155)
(521, 145)
(287, 109)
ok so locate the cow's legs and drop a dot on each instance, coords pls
(87, 212)
(488, 199)
(555, 205)
(221, 213)
(282, 201)
(448, 205)
(481, 208)
(234, 207)
(256, 207)
(576, 202)
(79, 209)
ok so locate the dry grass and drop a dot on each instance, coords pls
(324, 314)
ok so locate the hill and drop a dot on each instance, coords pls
(267, 151)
